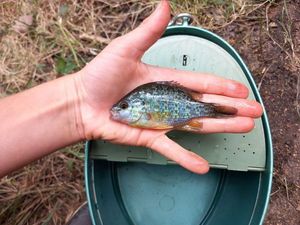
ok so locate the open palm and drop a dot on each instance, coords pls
(118, 69)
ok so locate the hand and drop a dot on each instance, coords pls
(118, 69)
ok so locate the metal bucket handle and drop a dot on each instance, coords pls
(182, 19)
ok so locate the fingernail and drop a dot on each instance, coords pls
(159, 5)
(238, 88)
(233, 86)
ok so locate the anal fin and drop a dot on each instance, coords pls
(193, 125)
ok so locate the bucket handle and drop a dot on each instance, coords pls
(182, 19)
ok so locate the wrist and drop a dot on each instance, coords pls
(74, 102)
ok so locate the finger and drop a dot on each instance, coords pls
(203, 83)
(220, 125)
(183, 157)
(244, 107)
(145, 35)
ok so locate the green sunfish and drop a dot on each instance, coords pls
(165, 105)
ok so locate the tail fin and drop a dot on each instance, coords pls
(214, 109)
(218, 110)
(225, 110)
(208, 110)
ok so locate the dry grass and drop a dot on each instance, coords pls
(216, 14)
(45, 192)
(60, 31)
(64, 36)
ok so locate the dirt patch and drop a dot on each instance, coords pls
(270, 47)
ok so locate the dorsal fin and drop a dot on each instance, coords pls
(172, 83)
(176, 84)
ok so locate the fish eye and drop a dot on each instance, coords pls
(124, 105)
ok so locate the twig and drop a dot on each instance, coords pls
(275, 192)
(286, 189)
(298, 95)
(263, 77)
(99, 39)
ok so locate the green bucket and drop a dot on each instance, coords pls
(128, 185)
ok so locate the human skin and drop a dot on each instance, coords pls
(74, 108)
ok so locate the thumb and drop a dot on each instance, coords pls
(183, 157)
(146, 34)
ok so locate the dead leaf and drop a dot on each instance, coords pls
(272, 24)
(23, 23)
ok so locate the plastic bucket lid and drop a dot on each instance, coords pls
(122, 190)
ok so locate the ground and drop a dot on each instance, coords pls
(61, 36)
(272, 58)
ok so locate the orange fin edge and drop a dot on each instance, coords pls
(194, 125)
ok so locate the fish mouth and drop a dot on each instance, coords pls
(114, 114)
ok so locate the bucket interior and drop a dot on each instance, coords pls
(147, 194)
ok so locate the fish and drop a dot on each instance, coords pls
(165, 105)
